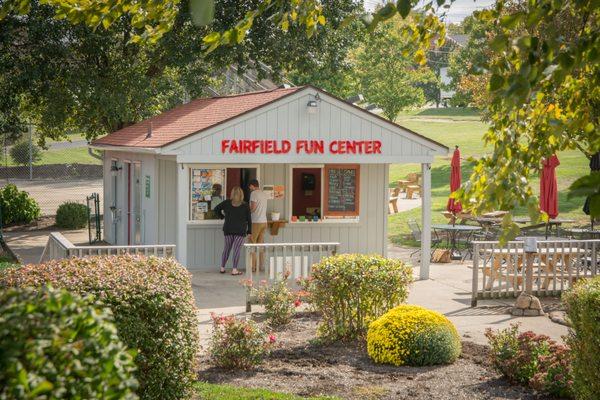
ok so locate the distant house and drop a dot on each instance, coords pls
(453, 42)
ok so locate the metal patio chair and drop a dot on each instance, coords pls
(415, 231)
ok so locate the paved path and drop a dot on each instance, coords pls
(29, 245)
(448, 291)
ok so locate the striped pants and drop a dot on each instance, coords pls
(232, 242)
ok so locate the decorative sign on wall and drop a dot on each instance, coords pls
(147, 186)
(300, 146)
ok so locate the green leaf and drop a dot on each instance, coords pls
(404, 7)
(387, 11)
(496, 82)
(202, 12)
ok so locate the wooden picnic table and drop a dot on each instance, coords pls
(555, 222)
(547, 260)
(584, 232)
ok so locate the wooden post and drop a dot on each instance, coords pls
(529, 273)
(425, 220)
(183, 194)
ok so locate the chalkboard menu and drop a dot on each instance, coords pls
(342, 190)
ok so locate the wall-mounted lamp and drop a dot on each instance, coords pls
(114, 169)
(313, 105)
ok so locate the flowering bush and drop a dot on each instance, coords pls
(351, 290)
(238, 343)
(279, 301)
(583, 311)
(531, 359)
(153, 306)
(413, 335)
(55, 344)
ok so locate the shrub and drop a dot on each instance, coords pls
(153, 306)
(352, 290)
(17, 206)
(237, 343)
(71, 215)
(531, 359)
(19, 152)
(583, 311)
(58, 345)
(279, 301)
(413, 335)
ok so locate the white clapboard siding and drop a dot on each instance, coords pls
(205, 242)
(288, 119)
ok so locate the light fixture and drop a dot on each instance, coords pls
(313, 105)
(114, 169)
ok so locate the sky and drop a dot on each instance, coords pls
(458, 11)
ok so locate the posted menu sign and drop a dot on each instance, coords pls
(342, 189)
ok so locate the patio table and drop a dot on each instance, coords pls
(454, 232)
(556, 223)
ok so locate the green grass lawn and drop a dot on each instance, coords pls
(468, 134)
(77, 155)
(209, 391)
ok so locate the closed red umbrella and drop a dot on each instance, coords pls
(548, 186)
(455, 178)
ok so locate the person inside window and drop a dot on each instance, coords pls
(237, 225)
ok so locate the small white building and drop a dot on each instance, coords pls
(324, 161)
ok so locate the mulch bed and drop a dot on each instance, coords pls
(302, 366)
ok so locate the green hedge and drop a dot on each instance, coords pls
(54, 344)
(71, 215)
(17, 206)
(153, 305)
(583, 311)
(352, 290)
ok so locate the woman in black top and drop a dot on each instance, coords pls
(237, 225)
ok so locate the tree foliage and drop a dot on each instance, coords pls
(545, 88)
(389, 77)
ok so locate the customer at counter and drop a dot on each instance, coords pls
(258, 208)
(238, 224)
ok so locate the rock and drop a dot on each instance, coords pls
(535, 303)
(532, 313)
(517, 312)
(523, 301)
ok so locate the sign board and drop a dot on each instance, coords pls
(342, 190)
(300, 147)
(147, 186)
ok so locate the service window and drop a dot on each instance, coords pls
(206, 189)
(322, 193)
(210, 186)
(306, 193)
(342, 188)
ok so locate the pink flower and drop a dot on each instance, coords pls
(272, 338)
(297, 303)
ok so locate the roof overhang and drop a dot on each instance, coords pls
(130, 149)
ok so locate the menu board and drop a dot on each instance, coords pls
(342, 190)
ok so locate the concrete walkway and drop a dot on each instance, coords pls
(448, 291)
(29, 245)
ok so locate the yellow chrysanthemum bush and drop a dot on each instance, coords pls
(352, 290)
(413, 335)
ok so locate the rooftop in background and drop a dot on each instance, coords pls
(459, 9)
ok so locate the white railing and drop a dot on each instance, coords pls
(59, 247)
(275, 259)
(500, 271)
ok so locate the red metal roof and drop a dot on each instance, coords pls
(190, 118)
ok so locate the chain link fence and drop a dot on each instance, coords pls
(61, 171)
